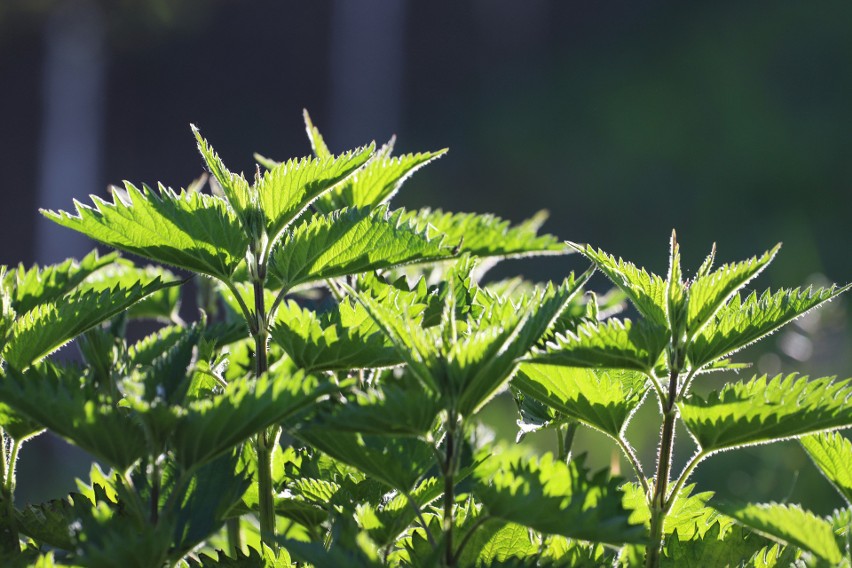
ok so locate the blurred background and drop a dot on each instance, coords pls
(728, 122)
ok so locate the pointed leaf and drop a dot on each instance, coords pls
(289, 188)
(486, 236)
(378, 181)
(399, 462)
(396, 407)
(788, 524)
(39, 285)
(162, 305)
(321, 151)
(234, 186)
(556, 498)
(343, 338)
(646, 290)
(742, 322)
(613, 344)
(416, 346)
(765, 410)
(716, 547)
(49, 326)
(194, 231)
(832, 454)
(58, 399)
(708, 293)
(602, 399)
(348, 242)
(211, 427)
(481, 376)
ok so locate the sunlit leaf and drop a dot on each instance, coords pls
(49, 326)
(788, 524)
(603, 399)
(350, 241)
(194, 231)
(556, 498)
(646, 290)
(612, 344)
(742, 322)
(766, 410)
(832, 454)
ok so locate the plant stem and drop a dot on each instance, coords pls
(265, 438)
(419, 512)
(664, 465)
(565, 440)
(8, 528)
(449, 490)
(634, 462)
(235, 540)
(467, 536)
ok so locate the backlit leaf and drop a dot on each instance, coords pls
(194, 231)
(765, 410)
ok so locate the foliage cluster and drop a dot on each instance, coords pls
(322, 409)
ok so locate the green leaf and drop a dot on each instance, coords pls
(321, 151)
(107, 538)
(234, 186)
(285, 191)
(49, 326)
(496, 543)
(487, 361)
(612, 344)
(378, 181)
(689, 515)
(646, 290)
(162, 305)
(774, 556)
(253, 559)
(396, 407)
(39, 285)
(832, 454)
(788, 524)
(708, 293)
(766, 410)
(58, 399)
(556, 498)
(716, 547)
(194, 231)
(676, 296)
(49, 522)
(211, 492)
(342, 338)
(414, 344)
(742, 322)
(387, 520)
(602, 399)
(350, 241)
(487, 236)
(399, 462)
(211, 427)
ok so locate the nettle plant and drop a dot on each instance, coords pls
(322, 409)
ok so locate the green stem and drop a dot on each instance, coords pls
(449, 490)
(687, 471)
(565, 440)
(467, 536)
(657, 502)
(266, 438)
(235, 540)
(628, 451)
(417, 511)
(9, 542)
